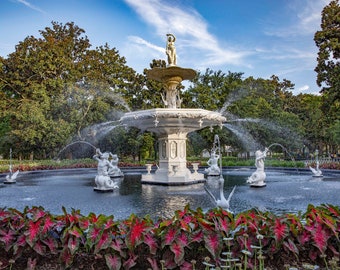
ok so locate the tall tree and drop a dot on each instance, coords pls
(55, 85)
(328, 65)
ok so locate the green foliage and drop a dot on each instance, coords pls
(328, 66)
(54, 86)
(189, 235)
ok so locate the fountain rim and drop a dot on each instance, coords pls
(162, 74)
(189, 113)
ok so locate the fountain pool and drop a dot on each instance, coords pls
(286, 191)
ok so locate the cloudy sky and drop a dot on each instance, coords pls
(257, 37)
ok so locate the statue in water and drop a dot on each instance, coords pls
(11, 177)
(258, 177)
(114, 171)
(316, 172)
(171, 50)
(213, 164)
(103, 180)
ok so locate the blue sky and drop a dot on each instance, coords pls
(257, 37)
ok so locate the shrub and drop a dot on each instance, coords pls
(189, 238)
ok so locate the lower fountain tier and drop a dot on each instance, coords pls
(169, 121)
(172, 126)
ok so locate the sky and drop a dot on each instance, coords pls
(259, 38)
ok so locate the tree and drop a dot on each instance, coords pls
(328, 60)
(54, 86)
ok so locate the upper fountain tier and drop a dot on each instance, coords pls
(172, 119)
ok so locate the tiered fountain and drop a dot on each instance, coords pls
(172, 123)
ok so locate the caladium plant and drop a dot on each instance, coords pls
(172, 242)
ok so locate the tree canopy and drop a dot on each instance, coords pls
(56, 88)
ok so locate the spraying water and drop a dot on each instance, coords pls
(73, 143)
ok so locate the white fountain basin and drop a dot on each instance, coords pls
(172, 126)
(169, 120)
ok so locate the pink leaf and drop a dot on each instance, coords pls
(213, 244)
(66, 257)
(304, 237)
(280, 230)
(136, 233)
(38, 213)
(320, 238)
(48, 224)
(93, 234)
(182, 239)
(73, 245)
(197, 237)
(113, 262)
(33, 231)
(104, 242)
(52, 245)
(39, 248)
(118, 245)
(153, 263)
(291, 246)
(170, 236)
(7, 238)
(178, 251)
(129, 263)
(151, 242)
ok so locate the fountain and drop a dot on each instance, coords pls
(11, 177)
(104, 170)
(258, 177)
(211, 172)
(316, 172)
(172, 123)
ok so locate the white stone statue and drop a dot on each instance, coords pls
(114, 171)
(11, 177)
(103, 180)
(171, 50)
(316, 172)
(258, 177)
(213, 164)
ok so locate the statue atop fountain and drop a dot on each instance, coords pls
(11, 177)
(258, 177)
(103, 180)
(172, 123)
(316, 172)
(171, 50)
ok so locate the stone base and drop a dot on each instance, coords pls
(9, 182)
(172, 179)
(318, 175)
(103, 190)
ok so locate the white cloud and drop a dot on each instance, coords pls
(29, 5)
(140, 41)
(187, 23)
(303, 88)
(306, 22)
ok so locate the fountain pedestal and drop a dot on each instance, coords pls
(172, 162)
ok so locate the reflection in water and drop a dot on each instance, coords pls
(285, 192)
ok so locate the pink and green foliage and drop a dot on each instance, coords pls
(113, 262)
(188, 235)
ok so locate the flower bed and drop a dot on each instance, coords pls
(192, 239)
